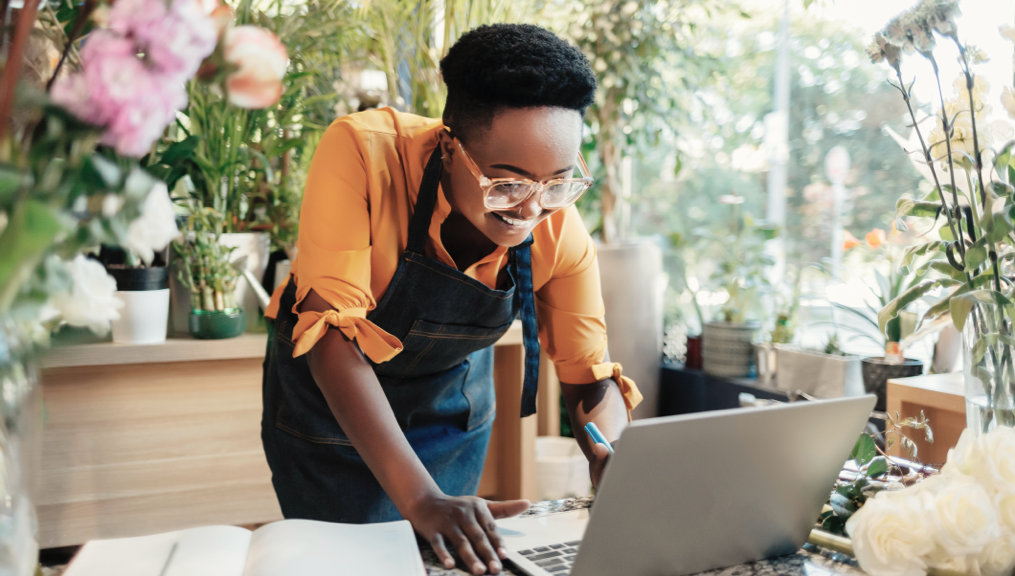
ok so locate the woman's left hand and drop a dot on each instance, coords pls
(600, 456)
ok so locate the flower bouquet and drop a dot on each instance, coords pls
(970, 207)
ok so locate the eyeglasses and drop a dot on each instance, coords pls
(504, 193)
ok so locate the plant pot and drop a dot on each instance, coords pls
(144, 293)
(877, 373)
(818, 374)
(229, 323)
(726, 348)
(693, 361)
(256, 247)
(631, 275)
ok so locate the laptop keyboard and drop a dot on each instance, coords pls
(556, 559)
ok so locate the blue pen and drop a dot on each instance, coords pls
(597, 436)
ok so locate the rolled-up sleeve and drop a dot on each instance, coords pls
(334, 247)
(571, 312)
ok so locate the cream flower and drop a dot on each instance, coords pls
(156, 227)
(90, 301)
(891, 535)
(998, 557)
(260, 62)
(961, 515)
(989, 459)
(1007, 31)
(1008, 100)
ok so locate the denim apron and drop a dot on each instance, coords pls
(440, 386)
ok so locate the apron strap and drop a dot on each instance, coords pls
(530, 326)
(419, 227)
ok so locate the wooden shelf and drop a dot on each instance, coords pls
(174, 349)
(183, 349)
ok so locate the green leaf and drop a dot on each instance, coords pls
(29, 233)
(864, 450)
(976, 254)
(841, 505)
(913, 252)
(988, 341)
(918, 208)
(905, 299)
(877, 467)
(960, 305)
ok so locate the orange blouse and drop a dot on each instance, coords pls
(359, 198)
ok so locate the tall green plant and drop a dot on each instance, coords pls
(647, 68)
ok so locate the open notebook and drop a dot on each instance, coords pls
(286, 548)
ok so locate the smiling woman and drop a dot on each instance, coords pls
(420, 242)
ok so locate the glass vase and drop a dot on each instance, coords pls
(988, 366)
(20, 451)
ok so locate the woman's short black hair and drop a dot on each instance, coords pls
(512, 66)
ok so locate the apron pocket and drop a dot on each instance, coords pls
(432, 347)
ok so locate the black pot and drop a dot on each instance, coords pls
(139, 279)
(877, 373)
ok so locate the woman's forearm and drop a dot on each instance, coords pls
(362, 410)
(601, 402)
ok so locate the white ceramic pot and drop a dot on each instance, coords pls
(255, 246)
(282, 270)
(727, 350)
(633, 283)
(818, 374)
(143, 318)
(144, 315)
(562, 471)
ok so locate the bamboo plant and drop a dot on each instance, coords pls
(204, 266)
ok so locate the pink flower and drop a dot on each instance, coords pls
(175, 38)
(135, 97)
(260, 61)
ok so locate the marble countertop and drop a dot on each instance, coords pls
(809, 561)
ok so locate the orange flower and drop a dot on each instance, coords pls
(849, 241)
(875, 238)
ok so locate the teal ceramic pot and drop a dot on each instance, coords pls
(228, 323)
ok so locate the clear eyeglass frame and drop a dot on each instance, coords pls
(521, 189)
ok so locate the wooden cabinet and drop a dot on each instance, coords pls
(144, 439)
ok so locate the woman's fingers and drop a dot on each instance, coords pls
(485, 519)
(465, 551)
(478, 535)
(437, 543)
(508, 508)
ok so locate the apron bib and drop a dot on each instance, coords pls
(440, 386)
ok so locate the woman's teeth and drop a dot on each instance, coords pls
(512, 221)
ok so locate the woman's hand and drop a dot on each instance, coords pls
(465, 523)
(597, 463)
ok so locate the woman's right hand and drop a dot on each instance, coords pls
(465, 523)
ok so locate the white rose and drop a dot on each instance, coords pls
(961, 515)
(90, 301)
(890, 535)
(998, 557)
(156, 227)
(1004, 503)
(989, 458)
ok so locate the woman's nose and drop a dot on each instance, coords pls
(530, 208)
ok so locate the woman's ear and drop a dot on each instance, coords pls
(448, 149)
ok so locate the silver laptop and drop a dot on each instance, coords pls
(685, 494)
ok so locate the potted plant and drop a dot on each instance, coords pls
(825, 373)
(877, 370)
(210, 279)
(727, 344)
(142, 278)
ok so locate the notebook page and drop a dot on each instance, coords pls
(302, 547)
(206, 551)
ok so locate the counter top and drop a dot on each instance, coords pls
(183, 349)
(809, 561)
